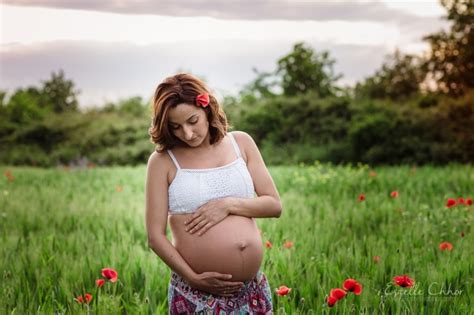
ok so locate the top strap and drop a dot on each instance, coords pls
(235, 145)
(174, 159)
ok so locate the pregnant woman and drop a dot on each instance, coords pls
(209, 184)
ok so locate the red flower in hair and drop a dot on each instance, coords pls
(202, 100)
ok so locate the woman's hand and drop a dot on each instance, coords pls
(207, 215)
(216, 283)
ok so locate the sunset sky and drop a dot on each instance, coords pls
(118, 49)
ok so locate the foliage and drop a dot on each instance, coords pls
(399, 77)
(451, 60)
(59, 93)
(301, 71)
(61, 226)
(304, 70)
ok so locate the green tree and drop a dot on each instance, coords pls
(451, 61)
(301, 71)
(59, 93)
(304, 70)
(263, 86)
(399, 77)
(24, 106)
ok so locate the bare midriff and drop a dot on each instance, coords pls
(233, 246)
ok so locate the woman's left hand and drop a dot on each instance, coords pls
(207, 215)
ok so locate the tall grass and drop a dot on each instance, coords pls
(60, 227)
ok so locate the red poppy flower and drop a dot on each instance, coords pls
(394, 194)
(202, 100)
(110, 274)
(446, 245)
(451, 202)
(283, 290)
(403, 281)
(361, 197)
(9, 176)
(468, 201)
(87, 298)
(331, 300)
(352, 285)
(99, 282)
(461, 200)
(338, 293)
(268, 244)
(288, 244)
(376, 259)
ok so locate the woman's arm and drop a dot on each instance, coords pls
(156, 222)
(157, 215)
(267, 204)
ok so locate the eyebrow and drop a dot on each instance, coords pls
(173, 123)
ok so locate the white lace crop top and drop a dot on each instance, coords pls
(191, 188)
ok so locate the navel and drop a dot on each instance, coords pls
(242, 245)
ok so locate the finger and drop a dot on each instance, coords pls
(206, 227)
(198, 226)
(193, 217)
(193, 224)
(223, 276)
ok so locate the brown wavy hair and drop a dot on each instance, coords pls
(175, 90)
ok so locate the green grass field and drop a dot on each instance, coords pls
(60, 227)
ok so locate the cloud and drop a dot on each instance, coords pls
(110, 71)
(242, 9)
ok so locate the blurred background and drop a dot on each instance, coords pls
(379, 82)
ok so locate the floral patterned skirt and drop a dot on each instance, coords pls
(254, 298)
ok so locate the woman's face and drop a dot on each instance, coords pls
(189, 124)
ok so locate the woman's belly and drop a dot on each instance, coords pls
(233, 246)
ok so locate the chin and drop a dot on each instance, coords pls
(195, 143)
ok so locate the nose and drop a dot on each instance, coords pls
(188, 133)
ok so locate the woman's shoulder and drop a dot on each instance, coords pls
(243, 138)
(245, 142)
(160, 161)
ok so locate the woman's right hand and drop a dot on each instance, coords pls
(216, 283)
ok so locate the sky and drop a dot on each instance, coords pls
(115, 49)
